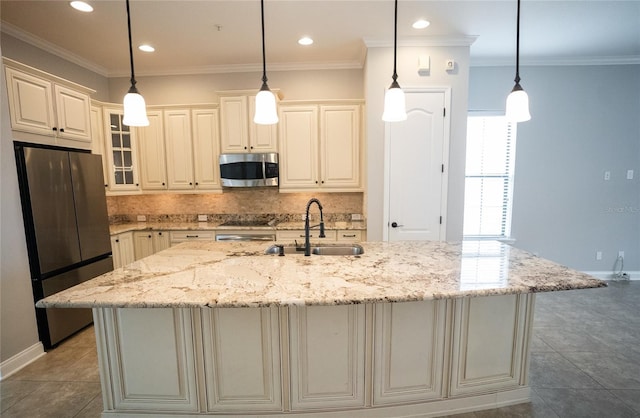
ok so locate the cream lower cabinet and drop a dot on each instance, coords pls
(409, 346)
(149, 357)
(490, 343)
(320, 148)
(242, 359)
(327, 356)
(150, 242)
(122, 249)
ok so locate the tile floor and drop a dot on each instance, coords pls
(585, 362)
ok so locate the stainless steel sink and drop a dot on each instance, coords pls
(322, 249)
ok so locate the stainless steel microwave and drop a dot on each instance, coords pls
(249, 169)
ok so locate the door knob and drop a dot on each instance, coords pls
(395, 225)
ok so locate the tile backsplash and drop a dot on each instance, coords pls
(230, 202)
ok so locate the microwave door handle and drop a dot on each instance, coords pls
(264, 170)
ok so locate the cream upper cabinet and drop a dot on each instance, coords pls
(238, 132)
(153, 172)
(98, 145)
(298, 147)
(45, 105)
(320, 148)
(206, 143)
(177, 139)
(120, 147)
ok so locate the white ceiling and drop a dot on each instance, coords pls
(187, 40)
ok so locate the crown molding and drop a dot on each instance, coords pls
(47, 46)
(554, 61)
(466, 40)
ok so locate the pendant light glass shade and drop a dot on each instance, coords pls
(394, 101)
(135, 108)
(394, 104)
(518, 105)
(266, 113)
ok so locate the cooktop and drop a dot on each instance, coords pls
(255, 222)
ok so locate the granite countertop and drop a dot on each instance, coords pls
(203, 226)
(239, 274)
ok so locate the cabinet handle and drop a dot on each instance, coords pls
(302, 236)
(348, 236)
(192, 236)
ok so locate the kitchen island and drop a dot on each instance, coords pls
(215, 329)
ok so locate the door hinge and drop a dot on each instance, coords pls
(441, 220)
(444, 112)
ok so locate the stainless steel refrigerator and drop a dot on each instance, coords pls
(67, 229)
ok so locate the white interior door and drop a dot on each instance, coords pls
(416, 178)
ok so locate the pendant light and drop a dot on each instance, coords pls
(394, 103)
(518, 100)
(135, 109)
(266, 113)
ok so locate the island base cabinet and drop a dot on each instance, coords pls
(327, 356)
(242, 359)
(490, 343)
(146, 359)
(409, 351)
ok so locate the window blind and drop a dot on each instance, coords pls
(489, 176)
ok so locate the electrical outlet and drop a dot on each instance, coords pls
(356, 217)
(141, 218)
(621, 254)
(202, 218)
(607, 175)
(598, 255)
(629, 174)
(450, 65)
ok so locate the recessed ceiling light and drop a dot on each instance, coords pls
(146, 48)
(82, 6)
(305, 40)
(420, 24)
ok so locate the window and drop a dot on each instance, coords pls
(491, 143)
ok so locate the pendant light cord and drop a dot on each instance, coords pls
(133, 77)
(264, 59)
(517, 79)
(395, 42)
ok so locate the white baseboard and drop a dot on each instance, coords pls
(20, 360)
(608, 275)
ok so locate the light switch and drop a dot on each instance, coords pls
(607, 175)
(629, 174)
(424, 64)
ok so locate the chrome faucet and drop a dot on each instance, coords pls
(307, 243)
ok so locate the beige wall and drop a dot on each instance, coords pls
(201, 88)
(242, 201)
(18, 329)
(378, 71)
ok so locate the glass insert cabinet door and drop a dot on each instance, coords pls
(122, 152)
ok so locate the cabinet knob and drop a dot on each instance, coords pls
(117, 240)
(106, 185)
(55, 129)
(196, 183)
(137, 184)
(322, 181)
(149, 236)
(159, 233)
(316, 181)
(163, 183)
(252, 147)
(61, 129)
(190, 183)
